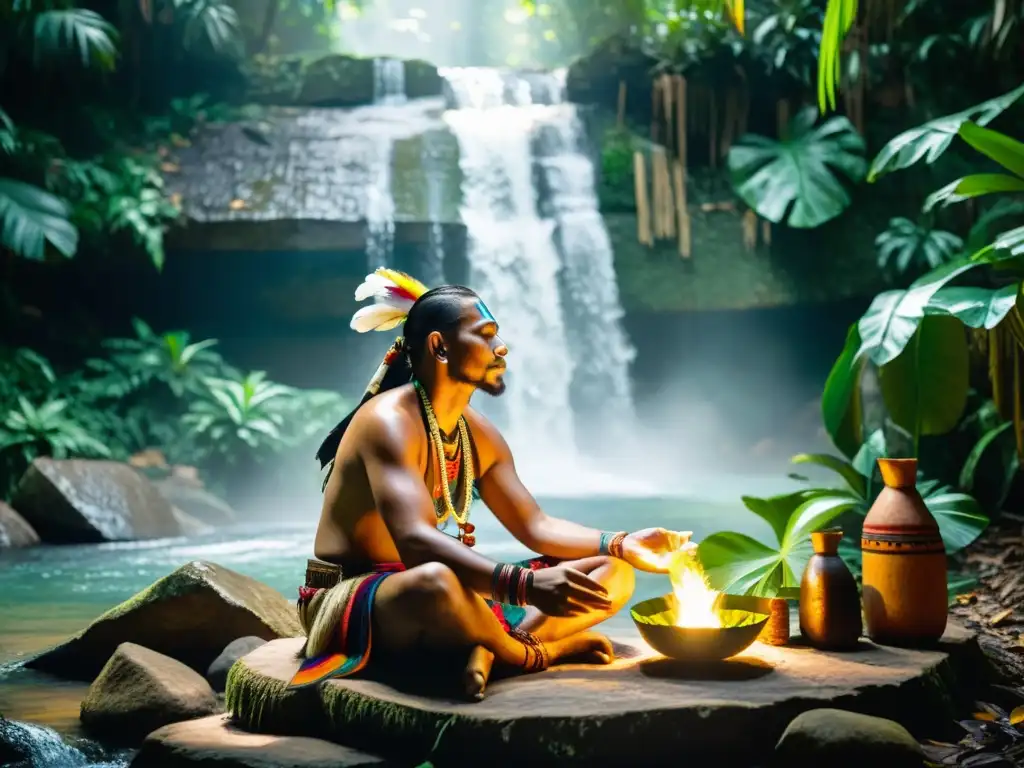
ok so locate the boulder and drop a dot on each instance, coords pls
(841, 739)
(139, 690)
(422, 79)
(217, 674)
(337, 80)
(215, 741)
(193, 499)
(14, 531)
(81, 501)
(190, 615)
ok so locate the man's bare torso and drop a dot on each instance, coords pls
(350, 528)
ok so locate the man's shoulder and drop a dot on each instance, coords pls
(386, 419)
(485, 434)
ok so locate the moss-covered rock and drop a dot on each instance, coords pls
(422, 79)
(190, 615)
(842, 739)
(645, 706)
(331, 80)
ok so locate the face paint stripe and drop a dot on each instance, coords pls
(485, 313)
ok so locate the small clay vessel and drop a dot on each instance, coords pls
(829, 601)
(904, 563)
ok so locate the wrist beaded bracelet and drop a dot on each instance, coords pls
(510, 584)
(611, 543)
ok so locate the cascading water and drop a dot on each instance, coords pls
(44, 748)
(593, 311)
(559, 312)
(388, 91)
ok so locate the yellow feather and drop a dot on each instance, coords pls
(403, 281)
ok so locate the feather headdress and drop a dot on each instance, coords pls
(393, 295)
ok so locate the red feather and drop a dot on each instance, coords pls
(400, 292)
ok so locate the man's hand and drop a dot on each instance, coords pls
(561, 591)
(651, 549)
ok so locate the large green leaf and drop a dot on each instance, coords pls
(31, 217)
(970, 467)
(960, 518)
(739, 564)
(853, 479)
(906, 244)
(839, 398)
(776, 510)
(78, 30)
(973, 186)
(1006, 151)
(930, 140)
(974, 307)
(893, 317)
(925, 388)
(795, 180)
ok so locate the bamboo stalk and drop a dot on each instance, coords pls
(729, 123)
(620, 118)
(682, 211)
(750, 229)
(766, 232)
(643, 212)
(667, 94)
(655, 102)
(681, 119)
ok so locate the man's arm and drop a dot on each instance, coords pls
(506, 496)
(406, 507)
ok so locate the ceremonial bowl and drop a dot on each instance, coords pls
(743, 618)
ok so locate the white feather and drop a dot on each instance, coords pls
(377, 317)
(373, 285)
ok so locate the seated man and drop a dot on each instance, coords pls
(404, 466)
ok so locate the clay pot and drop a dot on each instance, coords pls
(829, 601)
(776, 629)
(904, 570)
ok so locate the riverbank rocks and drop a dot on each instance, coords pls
(139, 690)
(191, 497)
(649, 707)
(190, 615)
(842, 739)
(329, 80)
(15, 533)
(217, 674)
(81, 501)
(215, 741)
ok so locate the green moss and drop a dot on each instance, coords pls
(422, 79)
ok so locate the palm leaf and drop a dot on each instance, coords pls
(212, 23)
(31, 217)
(76, 29)
(839, 18)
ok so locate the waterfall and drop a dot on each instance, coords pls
(44, 748)
(388, 91)
(558, 308)
(388, 81)
(594, 313)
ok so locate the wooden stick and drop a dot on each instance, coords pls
(681, 119)
(683, 214)
(643, 222)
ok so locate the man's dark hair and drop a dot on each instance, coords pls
(439, 309)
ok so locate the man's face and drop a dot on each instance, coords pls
(477, 353)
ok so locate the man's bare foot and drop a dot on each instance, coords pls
(478, 672)
(586, 647)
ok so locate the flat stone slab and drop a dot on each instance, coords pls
(215, 741)
(645, 708)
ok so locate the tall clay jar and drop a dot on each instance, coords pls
(904, 562)
(829, 602)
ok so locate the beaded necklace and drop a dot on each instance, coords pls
(446, 508)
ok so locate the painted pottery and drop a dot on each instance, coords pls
(829, 601)
(904, 562)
